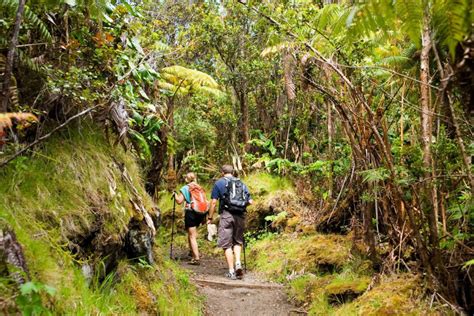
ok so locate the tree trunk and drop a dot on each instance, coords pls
(426, 125)
(154, 175)
(244, 110)
(11, 57)
(330, 127)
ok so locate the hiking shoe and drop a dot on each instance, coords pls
(231, 275)
(194, 262)
(239, 272)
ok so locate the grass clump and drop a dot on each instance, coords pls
(285, 255)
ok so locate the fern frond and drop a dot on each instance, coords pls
(42, 29)
(14, 99)
(326, 16)
(276, 48)
(24, 59)
(212, 91)
(395, 61)
(170, 87)
(410, 12)
(410, 51)
(371, 17)
(11, 6)
(188, 77)
(451, 21)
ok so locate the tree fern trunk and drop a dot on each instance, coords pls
(11, 57)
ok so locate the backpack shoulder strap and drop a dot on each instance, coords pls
(183, 192)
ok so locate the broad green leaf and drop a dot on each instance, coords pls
(28, 288)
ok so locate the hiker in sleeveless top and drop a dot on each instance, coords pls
(195, 211)
(234, 197)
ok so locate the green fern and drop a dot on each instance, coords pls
(10, 7)
(23, 58)
(14, 99)
(327, 15)
(397, 61)
(182, 80)
(42, 29)
(410, 13)
(451, 20)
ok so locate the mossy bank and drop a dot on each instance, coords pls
(72, 209)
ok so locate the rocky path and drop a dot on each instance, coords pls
(250, 296)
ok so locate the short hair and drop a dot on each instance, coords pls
(190, 177)
(227, 169)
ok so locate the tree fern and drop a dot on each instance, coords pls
(187, 77)
(451, 22)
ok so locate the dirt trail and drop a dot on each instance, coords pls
(250, 296)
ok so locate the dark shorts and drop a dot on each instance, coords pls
(193, 219)
(231, 230)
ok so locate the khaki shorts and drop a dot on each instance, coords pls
(231, 230)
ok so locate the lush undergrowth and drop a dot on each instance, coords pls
(70, 209)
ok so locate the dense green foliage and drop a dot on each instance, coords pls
(366, 105)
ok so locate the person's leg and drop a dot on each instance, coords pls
(224, 241)
(237, 250)
(192, 237)
(229, 256)
(238, 241)
(188, 222)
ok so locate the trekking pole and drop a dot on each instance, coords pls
(245, 257)
(172, 225)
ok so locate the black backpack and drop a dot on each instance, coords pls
(235, 199)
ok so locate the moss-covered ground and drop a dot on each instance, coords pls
(325, 278)
(53, 200)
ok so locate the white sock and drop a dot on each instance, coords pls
(237, 263)
(231, 271)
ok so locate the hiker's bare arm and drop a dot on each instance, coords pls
(179, 197)
(211, 210)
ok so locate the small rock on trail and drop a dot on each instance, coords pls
(250, 296)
